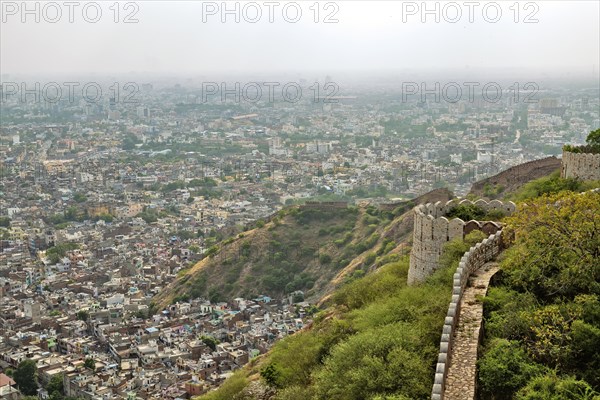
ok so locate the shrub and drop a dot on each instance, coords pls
(549, 185)
(454, 249)
(466, 212)
(504, 369)
(324, 259)
(372, 362)
(230, 388)
(552, 387)
(370, 259)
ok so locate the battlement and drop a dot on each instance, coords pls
(584, 166)
(471, 261)
(432, 230)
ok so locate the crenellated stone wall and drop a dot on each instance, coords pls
(471, 261)
(432, 230)
(584, 166)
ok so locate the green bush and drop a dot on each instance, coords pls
(295, 393)
(546, 303)
(466, 212)
(5, 222)
(504, 369)
(370, 259)
(375, 362)
(557, 247)
(506, 312)
(456, 248)
(229, 389)
(324, 259)
(552, 387)
(550, 185)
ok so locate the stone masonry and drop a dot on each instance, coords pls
(584, 166)
(432, 230)
(461, 381)
(471, 261)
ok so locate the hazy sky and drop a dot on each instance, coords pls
(171, 37)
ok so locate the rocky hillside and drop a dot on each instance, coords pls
(311, 249)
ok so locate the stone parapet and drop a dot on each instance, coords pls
(432, 230)
(584, 166)
(470, 262)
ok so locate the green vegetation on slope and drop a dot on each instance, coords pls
(379, 339)
(542, 321)
(550, 185)
(301, 248)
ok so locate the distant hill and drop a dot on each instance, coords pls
(512, 179)
(308, 248)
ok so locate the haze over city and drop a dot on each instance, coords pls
(382, 36)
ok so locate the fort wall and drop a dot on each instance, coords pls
(432, 230)
(516, 176)
(584, 166)
(470, 262)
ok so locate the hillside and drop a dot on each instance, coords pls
(377, 339)
(312, 249)
(512, 179)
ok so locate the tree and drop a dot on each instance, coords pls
(26, 377)
(466, 212)
(90, 363)
(210, 341)
(270, 375)
(593, 138)
(557, 246)
(79, 197)
(324, 259)
(83, 315)
(55, 386)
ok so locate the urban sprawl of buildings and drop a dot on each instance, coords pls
(103, 203)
